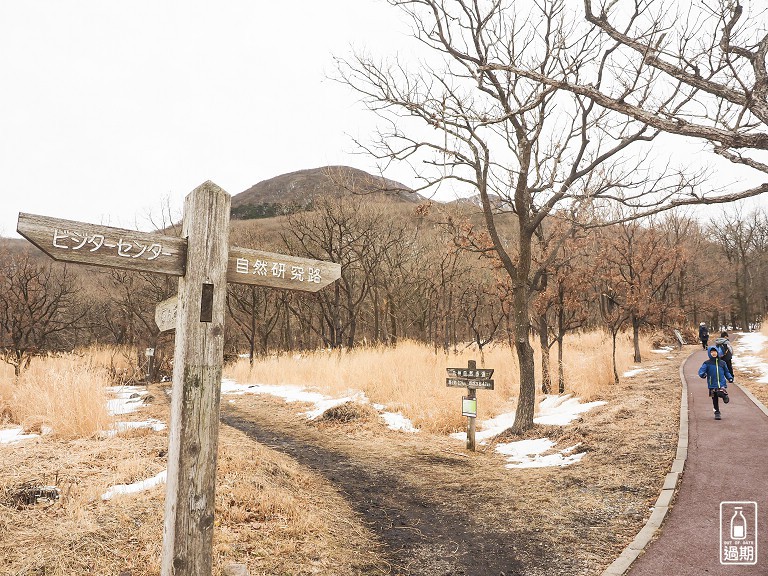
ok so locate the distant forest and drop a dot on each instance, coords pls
(410, 271)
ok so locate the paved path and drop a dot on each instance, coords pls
(727, 462)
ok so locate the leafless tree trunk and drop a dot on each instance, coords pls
(38, 306)
(527, 149)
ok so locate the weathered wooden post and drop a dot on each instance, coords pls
(471, 378)
(205, 262)
(197, 367)
(471, 395)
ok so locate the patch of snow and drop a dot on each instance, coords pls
(554, 410)
(139, 486)
(663, 350)
(152, 424)
(753, 342)
(396, 421)
(126, 399)
(14, 435)
(636, 371)
(530, 454)
(321, 402)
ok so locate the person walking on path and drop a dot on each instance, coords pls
(726, 350)
(715, 370)
(703, 334)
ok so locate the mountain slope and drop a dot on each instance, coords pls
(296, 190)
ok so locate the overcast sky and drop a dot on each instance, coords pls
(107, 108)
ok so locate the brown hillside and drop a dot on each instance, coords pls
(297, 189)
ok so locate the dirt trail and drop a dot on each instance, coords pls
(422, 534)
(438, 510)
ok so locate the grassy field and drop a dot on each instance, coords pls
(397, 377)
(280, 516)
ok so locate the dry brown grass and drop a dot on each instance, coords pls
(65, 393)
(270, 513)
(403, 378)
(281, 518)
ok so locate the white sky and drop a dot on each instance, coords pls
(107, 108)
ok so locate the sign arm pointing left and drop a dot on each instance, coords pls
(70, 241)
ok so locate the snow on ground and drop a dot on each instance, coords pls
(139, 486)
(635, 371)
(119, 427)
(14, 435)
(126, 399)
(745, 349)
(529, 454)
(396, 421)
(554, 410)
(289, 393)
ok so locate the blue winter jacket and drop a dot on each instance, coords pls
(715, 371)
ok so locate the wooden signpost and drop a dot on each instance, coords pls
(472, 379)
(205, 262)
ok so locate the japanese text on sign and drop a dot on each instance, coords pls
(71, 240)
(296, 273)
(470, 373)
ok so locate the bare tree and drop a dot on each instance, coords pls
(695, 69)
(742, 240)
(638, 264)
(256, 311)
(526, 148)
(38, 306)
(341, 230)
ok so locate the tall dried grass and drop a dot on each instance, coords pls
(65, 393)
(410, 377)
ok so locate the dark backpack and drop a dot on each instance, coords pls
(725, 351)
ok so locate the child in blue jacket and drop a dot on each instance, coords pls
(715, 370)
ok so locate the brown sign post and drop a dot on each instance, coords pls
(205, 263)
(472, 378)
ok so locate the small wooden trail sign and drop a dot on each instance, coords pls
(472, 379)
(205, 263)
(165, 314)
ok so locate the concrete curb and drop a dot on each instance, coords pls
(753, 398)
(621, 565)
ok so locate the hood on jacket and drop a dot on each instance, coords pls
(709, 352)
(719, 341)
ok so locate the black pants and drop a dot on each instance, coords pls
(704, 342)
(715, 399)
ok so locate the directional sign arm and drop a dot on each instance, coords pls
(70, 241)
(261, 268)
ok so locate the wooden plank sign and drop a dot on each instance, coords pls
(98, 245)
(469, 383)
(470, 373)
(247, 266)
(472, 378)
(165, 314)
